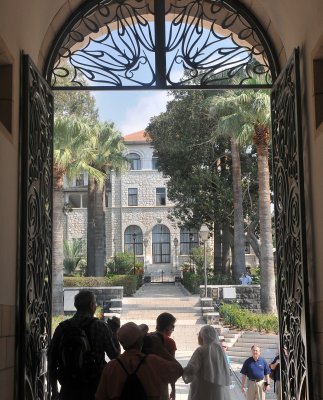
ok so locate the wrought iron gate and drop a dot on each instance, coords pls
(34, 269)
(158, 54)
(292, 293)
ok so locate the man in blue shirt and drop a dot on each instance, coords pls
(257, 371)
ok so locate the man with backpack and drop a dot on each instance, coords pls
(275, 376)
(76, 355)
(135, 375)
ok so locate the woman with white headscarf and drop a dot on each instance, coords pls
(208, 370)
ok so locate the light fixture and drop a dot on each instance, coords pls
(204, 233)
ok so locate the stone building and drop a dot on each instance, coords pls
(136, 213)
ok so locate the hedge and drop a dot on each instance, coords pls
(130, 283)
(192, 281)
(233, 314)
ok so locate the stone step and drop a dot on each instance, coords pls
(259, 341)
(211, 318)
(145, 315)
(174, 309)
(161, 304)
(152, 322)
(232, 334)
(259, 335)
(207, 309)
(242, 346)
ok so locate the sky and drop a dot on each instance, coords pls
(130, 110)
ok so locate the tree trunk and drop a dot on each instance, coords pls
(267, 272)
(58, 245)
(217, 250)
(226, 267)
(238, 262)
(95, 230)
(252, 239)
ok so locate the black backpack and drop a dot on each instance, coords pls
(133, 388)
(76, 362)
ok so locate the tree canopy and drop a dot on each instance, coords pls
(198, 168)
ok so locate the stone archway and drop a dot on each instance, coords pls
(68, 38)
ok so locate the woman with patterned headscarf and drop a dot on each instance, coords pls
(208, 370)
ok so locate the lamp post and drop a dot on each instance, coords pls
(175, 245)
(114, 240)
(191, 236)
(204, 235)
(145, 246)
(134, 235)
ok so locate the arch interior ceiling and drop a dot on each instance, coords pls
(138, 44)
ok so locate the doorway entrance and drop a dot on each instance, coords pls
(160, 45)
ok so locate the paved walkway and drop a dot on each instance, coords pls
(151, 300)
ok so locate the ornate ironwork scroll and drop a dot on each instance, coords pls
(133, 44)
(35, 234)
(290, 234)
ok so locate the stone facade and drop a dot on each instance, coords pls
(145, 215)
(119, 215)
(247, 296)
(76, 224)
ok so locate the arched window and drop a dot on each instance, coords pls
(133, 240)
(135, 161)
(161, 244)
(189, 240)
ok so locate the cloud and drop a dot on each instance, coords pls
(136, 118)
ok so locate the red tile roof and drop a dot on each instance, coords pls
(136, 137)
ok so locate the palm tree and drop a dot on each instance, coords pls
(251, 111)
(103, 152)
(228, 123)
(69, 136)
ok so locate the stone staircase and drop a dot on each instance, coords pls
(186, 310)
(239, 349)
(152, 299)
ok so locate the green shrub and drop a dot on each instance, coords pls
(130, 283)
(192, 281)
(74, 255)
(233, 314)
(122, 264)
(255, 274)
(221, 279)
(198, 258)
(185, 267)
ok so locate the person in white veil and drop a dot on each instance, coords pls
(208, 370)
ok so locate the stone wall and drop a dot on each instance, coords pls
(75, 224)
(247, 296)
(103, 295)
